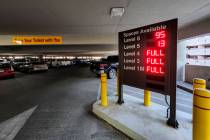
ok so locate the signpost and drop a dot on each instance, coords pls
(147, 60)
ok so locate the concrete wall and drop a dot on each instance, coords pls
(195, 29)
(194, 71)
(181, 59)
(191, 35)
(181, 52)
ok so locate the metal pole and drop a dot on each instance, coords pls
(117, 82)
(120, 87)
(172, 119)
(171, 91)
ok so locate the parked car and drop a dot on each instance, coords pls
(85, 61)
(55, 63)
(108, 66)
(65, 63)
(3, 61)
(48, 62)
(61, 63)
(31, 67)
(6, 71)
(19, 62)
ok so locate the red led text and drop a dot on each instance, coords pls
(155, 56)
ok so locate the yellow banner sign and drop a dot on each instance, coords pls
(37, 40)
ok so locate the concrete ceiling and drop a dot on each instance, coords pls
(79, 19)
(88, 17)
(69, 50)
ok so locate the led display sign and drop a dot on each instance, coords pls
(147, 58)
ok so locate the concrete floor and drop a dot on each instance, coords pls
(64, 98)
(144, 123)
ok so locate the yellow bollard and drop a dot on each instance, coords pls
(201, 114)
(104, 100)
(118, 83)
(147, 96)
(199, 83)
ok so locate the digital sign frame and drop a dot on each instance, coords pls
(147, 60)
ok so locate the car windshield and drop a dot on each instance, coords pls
(112, 58)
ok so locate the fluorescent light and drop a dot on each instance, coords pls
(18, 41)
(117, 11)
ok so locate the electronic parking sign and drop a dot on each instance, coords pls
(147, 60)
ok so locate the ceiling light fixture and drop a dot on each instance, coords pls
(117, 11)
(18, 41)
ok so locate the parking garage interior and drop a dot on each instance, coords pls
(53, 99)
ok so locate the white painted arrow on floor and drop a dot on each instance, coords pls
(10, 127)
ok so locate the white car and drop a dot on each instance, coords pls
(65, 63)
(3, 61)
(61, 63)
(55, 63)
(39, 66)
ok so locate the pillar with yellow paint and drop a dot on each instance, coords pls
(147, 97)
(201, 114)
(104, 100)
(199, 83)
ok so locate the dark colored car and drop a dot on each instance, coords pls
(19, 62)
(108, 66)
(6, 71)
(31, 67)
